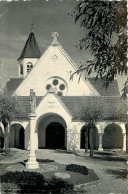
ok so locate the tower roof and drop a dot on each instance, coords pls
(31, 49)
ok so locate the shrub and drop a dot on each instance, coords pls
(24, 177)
(77, 168)
(42, 160)
(29, 182)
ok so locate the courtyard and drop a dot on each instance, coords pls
(111, 172)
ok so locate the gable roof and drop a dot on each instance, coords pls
(31, 49)
(112, 90)
(12, 84)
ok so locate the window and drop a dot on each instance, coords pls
(21, 69)
(29, 67)
(57, 84)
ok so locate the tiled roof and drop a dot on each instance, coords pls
(109, 105)
(31, 49)
(112, 90)
(25, 105)
(12, 84)
(75, 105)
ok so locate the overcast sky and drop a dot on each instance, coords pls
(47, 16)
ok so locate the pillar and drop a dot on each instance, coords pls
(32, 163)
(68, 139)
(100, 142)
(124, 142)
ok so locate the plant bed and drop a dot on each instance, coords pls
(77, 168)
(29, 182)
(75, 177)
(42, 160)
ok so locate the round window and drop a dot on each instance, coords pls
(62, 87)
(55, 82)
(59, 93)
(48, 87)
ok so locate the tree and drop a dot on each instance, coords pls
(9, 109)
(105, 24)
(90, 114)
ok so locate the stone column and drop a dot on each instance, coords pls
(124, 142)
(100, 142)
(32, 163)
(68, 139)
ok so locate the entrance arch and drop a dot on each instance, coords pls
(113, 137)
(55, 136)
(52, 131)
(17, 136)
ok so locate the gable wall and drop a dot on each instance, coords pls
(47, 67)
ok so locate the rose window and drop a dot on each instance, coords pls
(58, 85)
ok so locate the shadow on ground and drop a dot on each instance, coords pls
(119, 174)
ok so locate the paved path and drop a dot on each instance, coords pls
(110, 183)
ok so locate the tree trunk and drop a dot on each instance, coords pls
(126, 137)
(91, 143)
(6, 139)
(86, 141)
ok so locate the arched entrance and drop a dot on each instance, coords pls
(85, 138)
(113, 137)
(17, 136)
(55, 136)
(52, 131)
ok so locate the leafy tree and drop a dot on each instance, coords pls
(9, 109)
(105, 38)
(90, 114)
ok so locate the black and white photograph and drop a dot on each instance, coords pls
(63, 97)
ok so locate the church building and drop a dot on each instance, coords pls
(56, 122)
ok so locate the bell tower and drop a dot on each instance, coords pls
(29, 56)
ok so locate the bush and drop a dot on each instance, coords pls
(29, 182)
(42, 160)
(77, 168)
(24, 177)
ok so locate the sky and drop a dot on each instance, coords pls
(47, 16)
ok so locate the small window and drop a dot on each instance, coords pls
(48, 87)
(29, 67)
(55, 82)
(62, 87)
(21, 69)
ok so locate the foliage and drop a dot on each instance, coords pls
(121, 111)
(35, 182)
(105, 38)
(93, 111)
(22, 177)
(77, 168)
(9, 107)
(42, 160)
